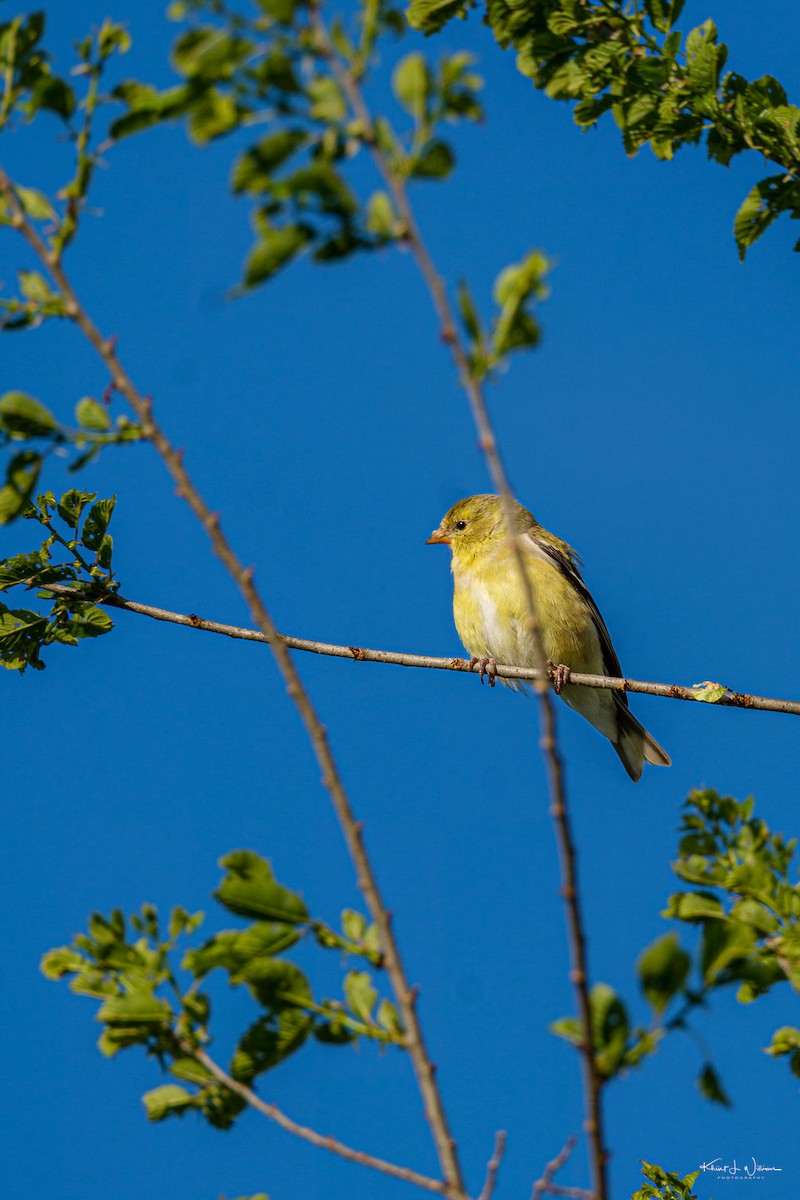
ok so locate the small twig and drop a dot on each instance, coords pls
(242, 576)
(310, 1135)
(576, 1193)
(493, 1166)
(545, 1183)
(398, 658)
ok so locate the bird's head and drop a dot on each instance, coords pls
(476, 523)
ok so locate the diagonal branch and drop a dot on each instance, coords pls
(326, 1142)
(242, 576)
(579, 972)
(399, 658)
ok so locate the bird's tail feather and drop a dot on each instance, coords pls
(635, 745)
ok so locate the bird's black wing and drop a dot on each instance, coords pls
(568, 568)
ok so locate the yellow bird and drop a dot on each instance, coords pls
(491, 617)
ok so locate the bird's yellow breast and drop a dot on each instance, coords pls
(491, 614)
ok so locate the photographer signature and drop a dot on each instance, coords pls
(748, 1170)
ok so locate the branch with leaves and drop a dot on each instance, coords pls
(144, 1001)
(48, 244)
(661, 88)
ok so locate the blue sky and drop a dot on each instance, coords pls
(655, 429)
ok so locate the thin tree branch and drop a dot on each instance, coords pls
(545, 1183)
(310, 1135)
(669, 691)
(573, 1193)
(493, 1166)
(242, 576)
(579, 970)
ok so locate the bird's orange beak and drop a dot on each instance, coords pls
(439, 537)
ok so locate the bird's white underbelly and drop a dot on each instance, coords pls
(494, 633)
(501, 636)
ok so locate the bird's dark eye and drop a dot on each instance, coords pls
(459, 525)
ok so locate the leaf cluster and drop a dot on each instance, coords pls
(78, 549)
(662, 88)
(29, 86)
(29, 432)
(152, 990)
(664, 969)
(745, 900)
(514, 327)
(28, 81)
(271, 66)
(665, 1185)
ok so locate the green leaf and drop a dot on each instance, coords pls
(113, 38)
(761, 206)
(34, 286)
(214, 114)
(35, 203)
(569, 1028)
(431, 15)
(354, 924)
(328, 103)
(381, 217)
(710, 1086)
(269, 1042)
(72, 504)
(283, 11)
(190, 1070)
(436, 161)
(167, 1100)
(412, 84)
(21, 414)
(389, 1019)
(275, 983)
(663, 970)
(253, 170)
(516, 289)
(276, 248)
(88, 622)
(231, 949)
(105, 552)
(723, 945)
(91, 415)
(22, 475)
(55, 95)
(710, 693)
(469, 313)
(694, 906)
(610, 1029)
(22, 635)
(55, 964)
(360, 994)
(96, 523)
(206, 54)
(786, 1040)
(250, 890)
(135, 1008)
